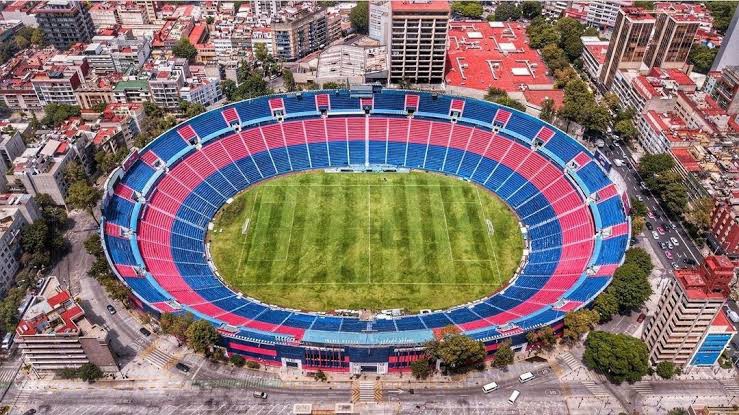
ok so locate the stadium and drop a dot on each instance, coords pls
(164, 205)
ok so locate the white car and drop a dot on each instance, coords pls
(655, 235)
(674, 241)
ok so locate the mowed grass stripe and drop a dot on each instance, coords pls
(317, 234)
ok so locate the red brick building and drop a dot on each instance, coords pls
(725, 228)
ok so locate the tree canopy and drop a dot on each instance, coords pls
(702, 57)
(55, 114)
(421, 368)
(542, 339)
(184, 49)
(506, 11)
(201, 336)
(531, 9)
(617, 356)
(359, 17)
(659, 176)
(470, 9)
(606, 305)
(503, 355)
(501, 97)
(666, 369)
(722, 12)
(457, 352)
(578, 323)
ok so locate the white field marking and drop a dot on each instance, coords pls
(446, 228)
(243, 243)
(245, 227)
(290, 236)
(359, 283)
(492, 244)
(369, 233)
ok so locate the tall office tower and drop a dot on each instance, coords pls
(379, 20)
(673, 37)
(418, 41)
(299, 34)
(688, 306)
(266, 8)
(65, 23)
(727, 55)
(629, 42)
(603, 13)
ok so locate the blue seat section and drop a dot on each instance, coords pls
(208, 123)
(196, 210)
(300, 320)
(435, 105)
(593, 177)
(485, 310)
(476, 168)
(462, 315)
(564, 147)
(327, 323)
(237, 179)
(384, 325)
(216, 293)
(611, 212)
(142, 287)
(353, 325)
(342, 101)
(549, 255)
(253, 109)
(511, 185)
(540, 319)
(198, 282)
(120, 250)
(540, 216)
(453, 160)
(588, 288)
(299, 157)
(119, 211)
(478, 335)
(544, 230)
(319, 155)
(612, 250)
(249, 310)
(409, 323)
(219, 183)
(250, 169)
(546, 242)
(539, 269)
(274, 316)
(479, 110)
(396, 152)
(168, 144)
(377, 151)
(264, 164)
(518, 293)
(524, 125)
(388, 100)
(183, 242)
(356, 152)
(338, 153)
(435, 158)
(183, 228)
(502, 303)
(500, 174)
(436, 320)
(531, 282)
(206, 191)
(229, 303)
(281, 159)
(138, 175)
(415, 156)
(306, 103)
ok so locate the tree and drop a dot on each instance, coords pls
(563, 76)
(612, 101)
(89, 372)
(510, 102)
(606, 305)
(237, 360)
(74, 172)
(542, 35)
(672, 192)
(191, 109)
(654, 164)
(421, 368)
(617, 356)
(37, 37)
(331, 85)
(228, 87)
(638, 207)
(201, 336)
(209, 20)
(152, 110)
(55, 114)
(598, 119)
(542, 339)
(637, 224)
(99, 107)
(505, 11)
(666, 369)
(626, 130)
(554, 57)
(176, 324)
(722, 12)
(678, 411)
(531, 9)
(457, 352)
(699, 216)
(630, 287)
(359, 17)
(640, 258)
(288, 80)
(260, 53)
(547, 110)
(570, 31)
(591, 31)
(702, 58)
(503, 355)
(93, 245)
(470, 9)
(184, 49)
(578, 102)
(83, 196)
(320, 376)
(578, 323)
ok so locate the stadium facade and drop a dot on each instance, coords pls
(158, 206)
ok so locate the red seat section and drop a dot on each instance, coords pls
(502, 116)
(620, 229)
(544, 134)
(276, 104)
(457, 105)
(187, 133)
(582, 159)
(323, 102)
(123, 191)
(367, 103)
(411, 102)
(230, 115)
(607, 192)
(150, 158)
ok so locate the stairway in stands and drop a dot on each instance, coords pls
(366, 391)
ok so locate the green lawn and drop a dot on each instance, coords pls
(323, 241)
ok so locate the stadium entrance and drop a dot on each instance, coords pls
(363, 367)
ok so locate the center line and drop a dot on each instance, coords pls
(369, 233)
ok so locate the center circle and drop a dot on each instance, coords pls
(323, 241)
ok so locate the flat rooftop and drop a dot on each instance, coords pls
(484, 54)
(420, 5)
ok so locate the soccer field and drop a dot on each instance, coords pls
(322, 241)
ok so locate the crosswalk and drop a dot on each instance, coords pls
(643, 388)
(732, 388)
(7, 375)
(366, 392)
(158, 358)
(570, 361)
(596, 389)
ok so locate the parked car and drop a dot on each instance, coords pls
(650, 226)
(673, 226)
(668, 254)
(144, 331)
(675, 266)
(182, 367)
(111, 309)
(661, 230)
(689, 261)
(674, 241)
(260, 395)
(640, 198)
(641, 318)
(650, 214)
(643, 185)
(663, 246)
(655, 235)
(669, 245)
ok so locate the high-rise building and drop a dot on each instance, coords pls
(379, 20)
(65, 23)
(628, 44)
(726, 89)
(299, 34)
(603, 13)
(687, 308)
(727, 55)
(673, 36)
(725, 228)
(418, 41)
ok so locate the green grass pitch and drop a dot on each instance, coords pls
(322, 241)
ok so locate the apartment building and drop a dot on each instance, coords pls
(11, 146)
(300, 33)
(687, 308)
(121, 53)
(629, 41)
(674, 35)
(166, 80)
(418, 41)
(65, 23)
(725, 89)
(16, 211)
(379, 21)
(132, 91)
(603, 13)
(593, 55)
(54, 334)
(40, 169)
(725, 227)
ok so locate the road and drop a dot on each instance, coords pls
(657, 216)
